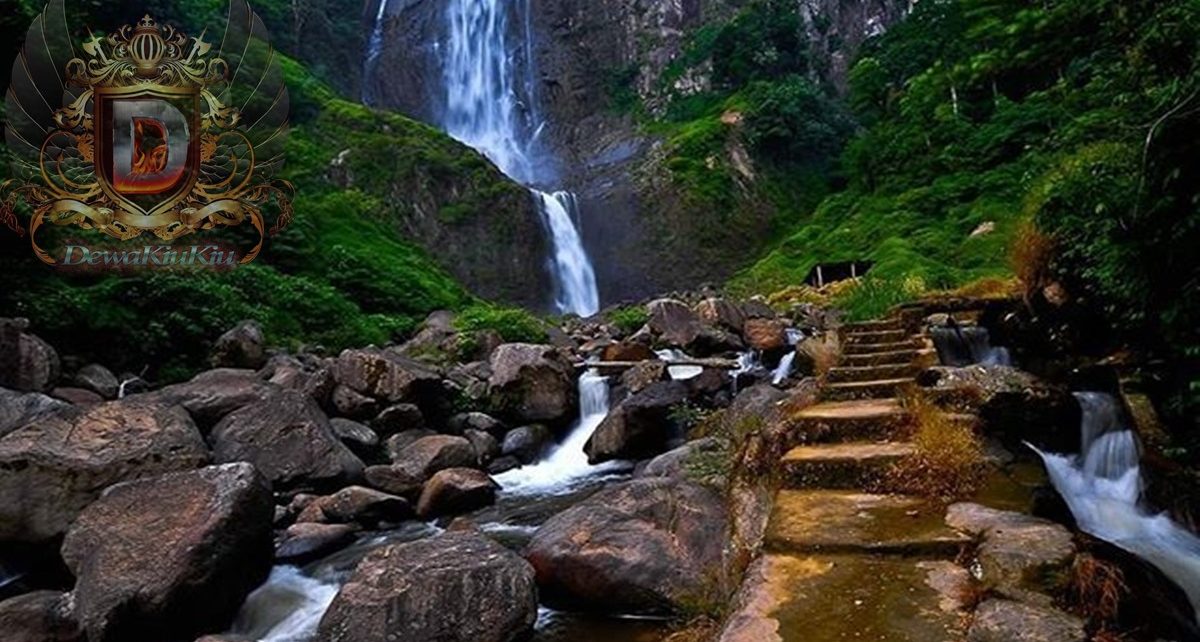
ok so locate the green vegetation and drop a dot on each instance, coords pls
(512, 324)
(629, 319)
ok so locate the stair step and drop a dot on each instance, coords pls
(851, 465)
(835, 598)
(849, 374)
(859, 420)
(831, 521)
(875, 337)
(902, 356)
(872, 326)
(874, 348)
(876, 389)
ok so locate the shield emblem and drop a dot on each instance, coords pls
(147, 153)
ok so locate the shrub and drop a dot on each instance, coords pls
(949, 462)
(513, 324)
(629, 319)
(873, 297)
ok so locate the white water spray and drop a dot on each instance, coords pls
(287, 608)
(784, 369)
(374, 49)
(485, 111)
(567, 463)
(1103, 488)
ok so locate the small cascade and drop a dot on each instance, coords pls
(678, 373)
(784, 369)
(485, 111)
(374, 49)
(960, 346)
(567, 464)
(1103, 488)
(287, 608)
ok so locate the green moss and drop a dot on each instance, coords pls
(629, 319)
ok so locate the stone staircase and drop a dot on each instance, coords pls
(844, 559)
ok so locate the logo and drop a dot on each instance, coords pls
(147, 130)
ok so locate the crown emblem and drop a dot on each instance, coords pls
(147, 48)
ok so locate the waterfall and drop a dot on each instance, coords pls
(784, 369)
(287, 608)
(374, 48)
(679, 373)
(485, 111)
(960, 346)
(1103, 488)
(567, 463)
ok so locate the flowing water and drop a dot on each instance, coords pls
(485, 110)
(784, 369)
(960, 346)
(374, 49)
(1103, 488)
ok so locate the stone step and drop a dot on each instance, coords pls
(846, 374)
(849, 466)
(838, 598)
(875, 348)
(876, 389)
(875, 337)
(860, 420)
(902, 356)
(872, 326)
(831, 521)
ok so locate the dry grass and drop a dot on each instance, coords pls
(988, 288)
(1095, 589)
(949, 462)
(1030, 256)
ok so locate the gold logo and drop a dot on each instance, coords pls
(154, 131)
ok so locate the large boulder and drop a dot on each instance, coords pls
(43, 616)
(627, 351)
(212, 395)
(1005, 621)
(303, 373)
(289, 439)
(721, 313)
(639, 427)
(650, 546)
(358, 437)
(456, 490)
(27, 363)
(170, 557)
(673, 463)
(1016, 552)
(673, 321)
(99, 380)
(456, 587)
(399, 418)
(532, 383)
(527, 443)
(54, 467)
(20, 408)
(386, 375)
(308, 540)
(766, 335)
(243, 346)
(428, 455)
(356, 504)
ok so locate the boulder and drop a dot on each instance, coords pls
(242, 346)
(638, 427)
(456, 587)
(485, 445)
(712, 341)
(304, 373)
(27, 363)
(52, 468)
(212, 395)
(309, 540)
(289, 440)
(397, 480)
(358, 437)
(673, 321)
(354, 405)
(649, 546)
(395, 445)
(398, 418)
(628, 351)
(673, 463)
(170, 557)
(532, 383)
(358, 505)
(456, 490)
(385, 375)
(766, 335)
(757, 308)
(1006, 621)
(639, 377)
(463, 422)
(721, 313)
(1017, 552)
(43, 616)
(99, 380)
(20, 408)
(527, 443)
(77, 396)
(503, 464)
(428, 455)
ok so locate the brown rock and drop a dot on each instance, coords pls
(628, 351)
(397, 480)
(532, 383)
(674, 321)
(527, 443)
(99, 380)
(722, 313)
(456, 587)
(456, 490)
(356, 504)
(354, 405)
(428, 455)
(638, 427)
(486, 446)
(243, 346)
(304, 373)
(386, 375)
(44, 616)
(170, 557)
(289, 440)
(309, 540)
(20, 408)
(212, 395)
(639, 377)
(1017, 552)
(27, 363)
(358, 437)
(54, 467)
(398, 418)
(766, 335)
(648, 546)
(1005, 621)
(77, 396)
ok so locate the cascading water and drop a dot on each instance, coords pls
(784, 369)
(567, 463)
(1103, 488)
(679, 373)
(287, 608)
(960, 346)
(374, 49)
(485, 111)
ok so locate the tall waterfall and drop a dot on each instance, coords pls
(567, 463)
(374, 49)
(485, 110)
(1103, 488)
